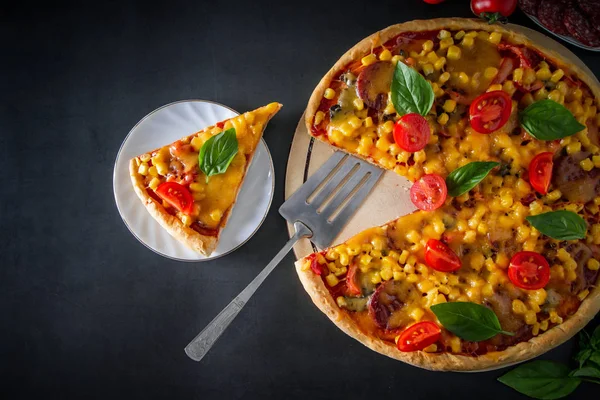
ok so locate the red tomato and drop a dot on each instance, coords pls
(529, 270)
(441, 257)
(412, 132)
(490, 111)
(429, 192)
(352, 282)
(540, 172)
(434, 1)
(491, 7)
(177, 196)
(418, 336)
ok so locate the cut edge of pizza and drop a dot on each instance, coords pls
(550, 330)
(191, 186)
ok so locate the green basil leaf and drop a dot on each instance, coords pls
(411, 93)
(560, 225)
(541, 379)
(217, 153)
(587, 372)
(595, 338)
(548, 120)
(582, 356)
(595, 358)
(469, 321)
(465, 178)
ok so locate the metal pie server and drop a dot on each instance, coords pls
(319, 210)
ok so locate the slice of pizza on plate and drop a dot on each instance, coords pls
(190, 186)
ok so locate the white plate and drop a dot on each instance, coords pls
(163, 126)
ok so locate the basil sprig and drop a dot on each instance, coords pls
(550, 380)
(541, 379)
(411, 93)
(217, 153)
(560, 225)
(465, 178)
(469, 321)
(548, 120)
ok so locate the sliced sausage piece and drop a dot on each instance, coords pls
(580, 27)
(501, 303)
(374, 83)
(574, 183)
(529, 6)
(591, 8)
(550, 13)
(384, 301)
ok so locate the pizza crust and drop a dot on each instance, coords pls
(194, 240)
(319, 293)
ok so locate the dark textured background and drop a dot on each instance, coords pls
(86, 311)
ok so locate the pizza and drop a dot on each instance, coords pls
(500, 138)
(190, 186)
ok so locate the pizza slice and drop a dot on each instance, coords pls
(190, 186)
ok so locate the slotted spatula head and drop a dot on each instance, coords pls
(327, 200)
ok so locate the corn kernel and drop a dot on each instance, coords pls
(368, 60)
(454, 53)
(162, 168)
(432, 348)
(446, 43)
(385, 55)
(216, 215)
(593, 264)
(428, 69)
(412, 278)
(443, 119)
(143, 169)
(517, 75)
(586, 164)
(530, 317)
(329, 93)
(145, 157)
(186, 220)
(463, 78)
(494, 87)
(573, 148)
(428, 45)
(397, 58)
(468, 42)
(332, 280)
(154, 183)
(583, 295)
(444, 34)
(319, 116)
(444, 78)
(518, 307)
(341, 301)
(358, 104)
(368, 122)
(495, 37)
(557, 75)
(543, 74)
(425, 286)
(417, 313)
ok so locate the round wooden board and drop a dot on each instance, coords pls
(389, 198)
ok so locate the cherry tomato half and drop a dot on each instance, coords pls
(352, 280)
(412, 132)
(504, 7)
(529, 270)
(429, 192)
(177, 196)
(540, 171)
(418, 336)
(441, 257)
(490, 111)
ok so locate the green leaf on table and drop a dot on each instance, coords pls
(469, 321)
(595, 338)
(560, 225)
(411, 93)
(587, 372)
(595, 358)
(582, 356)
(549, 120)
(465, 178)
(217, 153)
(546, 380)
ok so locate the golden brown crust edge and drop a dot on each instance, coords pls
(194, 240)
(523, 351)
(384, 35)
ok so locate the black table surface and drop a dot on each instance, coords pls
(86, 311)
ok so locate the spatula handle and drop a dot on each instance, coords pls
(202, 343)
